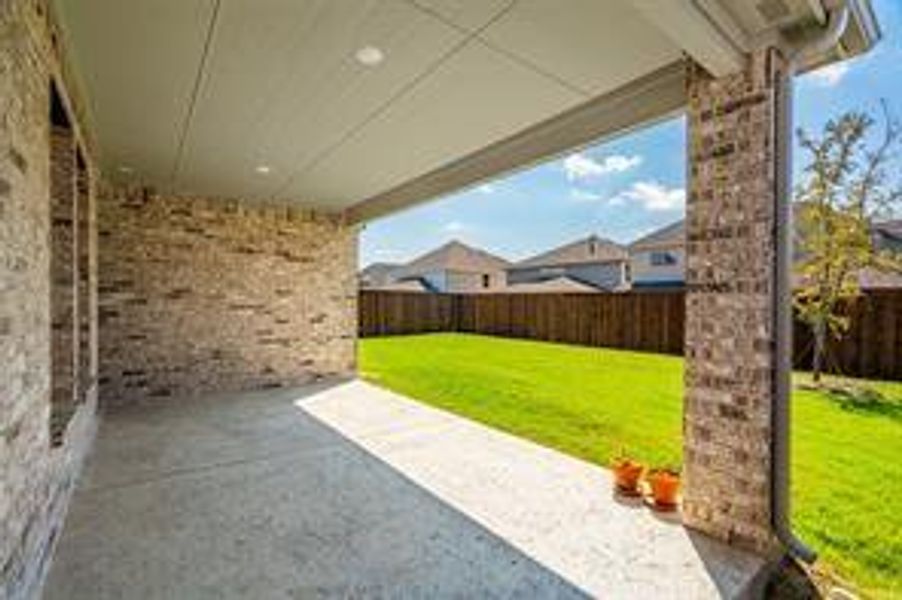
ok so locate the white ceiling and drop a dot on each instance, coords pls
(193, 95)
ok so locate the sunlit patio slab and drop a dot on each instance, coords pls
(345, 489)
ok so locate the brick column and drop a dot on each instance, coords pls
(730, 233)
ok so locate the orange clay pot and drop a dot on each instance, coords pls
(665, 486)
(627, 474)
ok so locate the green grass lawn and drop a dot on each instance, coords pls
(592, 403)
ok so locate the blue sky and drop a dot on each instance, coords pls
(623, 188)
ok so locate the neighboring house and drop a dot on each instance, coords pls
(455, 268)
(557, 285)
(593, 261)
(658, 260)
(378, 275)
(408, 285)
(887, 235)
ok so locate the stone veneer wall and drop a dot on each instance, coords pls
(35, 478)
(205, 295)
(730, 213)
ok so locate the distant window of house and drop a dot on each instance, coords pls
(592, 247)
(486, 280)
(662, 259)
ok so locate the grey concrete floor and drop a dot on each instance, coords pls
(347, 490)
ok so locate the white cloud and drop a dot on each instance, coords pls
(454, 227)
(652, 196)
(830, 75)
(579, 166)
(486, 188)
(580, 195)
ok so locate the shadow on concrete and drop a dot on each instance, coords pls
(721, 562)
(627, 500)
(668, 516)
(244, 496)
(787, 580)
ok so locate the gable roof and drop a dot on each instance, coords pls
(378, 269)
(559, 285)
(408, 285)
(887, 235)
(669, 235)
(591, 249)
(873, 279)
(454, 256)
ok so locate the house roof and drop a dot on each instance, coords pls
(588, 250)
(408, 285)
(454, 256)
(872, 279)
(669, 235)
(887, 235)
(379, 269)
(559, 285)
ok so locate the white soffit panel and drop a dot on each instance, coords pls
(592, 45)
(693, 30)
(467, 14)
(282, 85)
(477, 97)
(195, 95)
(138, 61)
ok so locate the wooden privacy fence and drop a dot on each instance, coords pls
(873, 345)
(646, 321)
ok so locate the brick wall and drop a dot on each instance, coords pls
(35, 478)
(729, 302)
(202, 295)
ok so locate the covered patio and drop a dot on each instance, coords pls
(344, 489)
(182, 183)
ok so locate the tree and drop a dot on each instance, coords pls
(846, 187)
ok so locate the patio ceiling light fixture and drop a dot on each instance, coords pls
(126, 170)
(369, 56)
(262, 169)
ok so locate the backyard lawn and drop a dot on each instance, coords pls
(593, 403)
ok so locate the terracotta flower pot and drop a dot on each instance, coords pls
(665, 487)
(627, 474)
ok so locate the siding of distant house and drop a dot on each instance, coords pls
(378, 275)
(462, 282)
(435, 280)
(658, 266)
(604, 275)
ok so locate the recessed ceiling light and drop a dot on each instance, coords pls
(262, 169)
(125, 169)
(369, 56)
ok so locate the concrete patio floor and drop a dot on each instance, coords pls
(348, 490)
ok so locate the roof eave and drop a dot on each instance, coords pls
(862, 34)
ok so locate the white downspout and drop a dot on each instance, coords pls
(838, 18)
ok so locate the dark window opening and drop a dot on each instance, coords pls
(84, 302)
(71, 347)
(486, 280)
(661, 259)
(59, 116)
